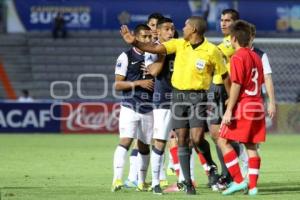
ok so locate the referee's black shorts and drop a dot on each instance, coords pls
(189, 108)
(216, 103)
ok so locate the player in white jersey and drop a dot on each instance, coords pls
(133, 166)
(136, 117)
(161, 68)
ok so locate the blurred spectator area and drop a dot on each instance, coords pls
(34, 60)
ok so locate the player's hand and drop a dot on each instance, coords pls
(127, 35)
(145, 69)
(226, 118)
(147, 84)
(271, 110)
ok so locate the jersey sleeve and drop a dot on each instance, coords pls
(219, 62)
(266, 64)
(121, 65)
(236, 70)
(150, 58)
(171, 46)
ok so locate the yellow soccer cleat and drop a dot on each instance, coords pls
(117, 185)
(143, 187)
(171, 172)
(163, 183)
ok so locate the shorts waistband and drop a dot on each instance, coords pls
(189, 91)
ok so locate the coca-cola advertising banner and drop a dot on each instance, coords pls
(90, 117)
(59, 117)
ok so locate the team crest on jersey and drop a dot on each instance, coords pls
(119, 64)
(149, 58)
(227, 43)
(200, 64)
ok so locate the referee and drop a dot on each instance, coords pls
(195, 62)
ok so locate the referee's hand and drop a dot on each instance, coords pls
(127, 35)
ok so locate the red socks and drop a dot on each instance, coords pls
(174, 153)
(254, 166)
(203, 162)
(232, 163)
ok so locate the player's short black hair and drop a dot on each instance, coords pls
(163, 20)
(25, 92)
(241, 30)
(199, 24)
(155, 15)
(140, 27)
(235, 15)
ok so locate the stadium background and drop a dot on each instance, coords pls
(71, 83)
(62, 74)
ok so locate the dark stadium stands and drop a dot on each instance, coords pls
(34, 60)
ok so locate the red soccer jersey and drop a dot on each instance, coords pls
(246, 69)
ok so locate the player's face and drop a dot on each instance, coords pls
(166, 31)
(226, 22)
(152, 24)
(144, 36)
(187, 30)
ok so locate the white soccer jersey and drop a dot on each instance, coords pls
(266, 64)
(151, 58)
(122, 65)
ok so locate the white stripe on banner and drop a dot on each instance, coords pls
(231, 163)
(176, 166)
(253, 171)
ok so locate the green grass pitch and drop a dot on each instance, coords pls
(75, 167)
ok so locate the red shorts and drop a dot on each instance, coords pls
(248, 124)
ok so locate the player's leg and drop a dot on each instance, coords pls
(161, 131)
(145, 132)
(203, 162)
(127, 128)
(162, 172)
(232, 164)
(198, 128)
(257, 135)
(184, 154)
(243, 156)
(133, 167)
(216, 108)
(180, 121)
(174, 152)
(254, 166)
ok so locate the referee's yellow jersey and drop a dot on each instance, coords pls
(227, 51)
(193, 68)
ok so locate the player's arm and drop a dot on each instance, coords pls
(271, 95)
(227, 83)
(233, 97)
(221, 69)
(237, 76)
(156, 67)
(120, 76)
(146, 47)
(121, 84)
(269, 86)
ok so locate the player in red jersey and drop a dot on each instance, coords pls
(244, 119)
